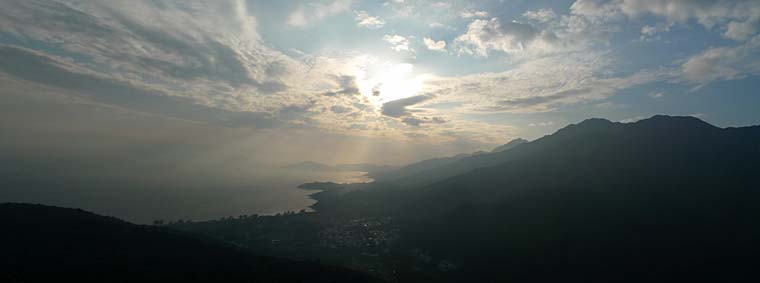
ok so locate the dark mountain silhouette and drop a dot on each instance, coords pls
(43, 243)
(511, 144)
(666, 198)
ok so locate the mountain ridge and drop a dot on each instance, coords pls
(43, 242)
(665, 194)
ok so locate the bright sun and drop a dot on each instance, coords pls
(388, 82)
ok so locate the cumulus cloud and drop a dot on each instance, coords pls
(483, 36)
(307, 14)
(398, 42)
(434, 45)
(363, 19)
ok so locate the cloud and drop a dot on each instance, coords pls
(742, 30)
(211, 63)
(596, 10)
(192, 60)
(338, 109)
(441, 5)
(398, 42)
(363, 19)
(207, 59)
(649, 33)
(656, 94)
(308, 14)
(483, 36)
(398, 108)
(204, 62)
(736, 19)
(473, 14)
(434, 45)
(537, 101)
(417, 121)
(401, 109)
(541, 84)
(542, 124)
(723, 63)
(36, 67)
(541, 15)
(440, 25)
(346, 85)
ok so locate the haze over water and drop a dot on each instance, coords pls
(258, 193)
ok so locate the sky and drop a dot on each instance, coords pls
(390, 82)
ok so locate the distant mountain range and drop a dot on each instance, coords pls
(427, 171)
(321, 167)
(511, 144)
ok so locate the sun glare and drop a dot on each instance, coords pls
(389, 82)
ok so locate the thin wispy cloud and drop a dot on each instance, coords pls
(311, 13)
